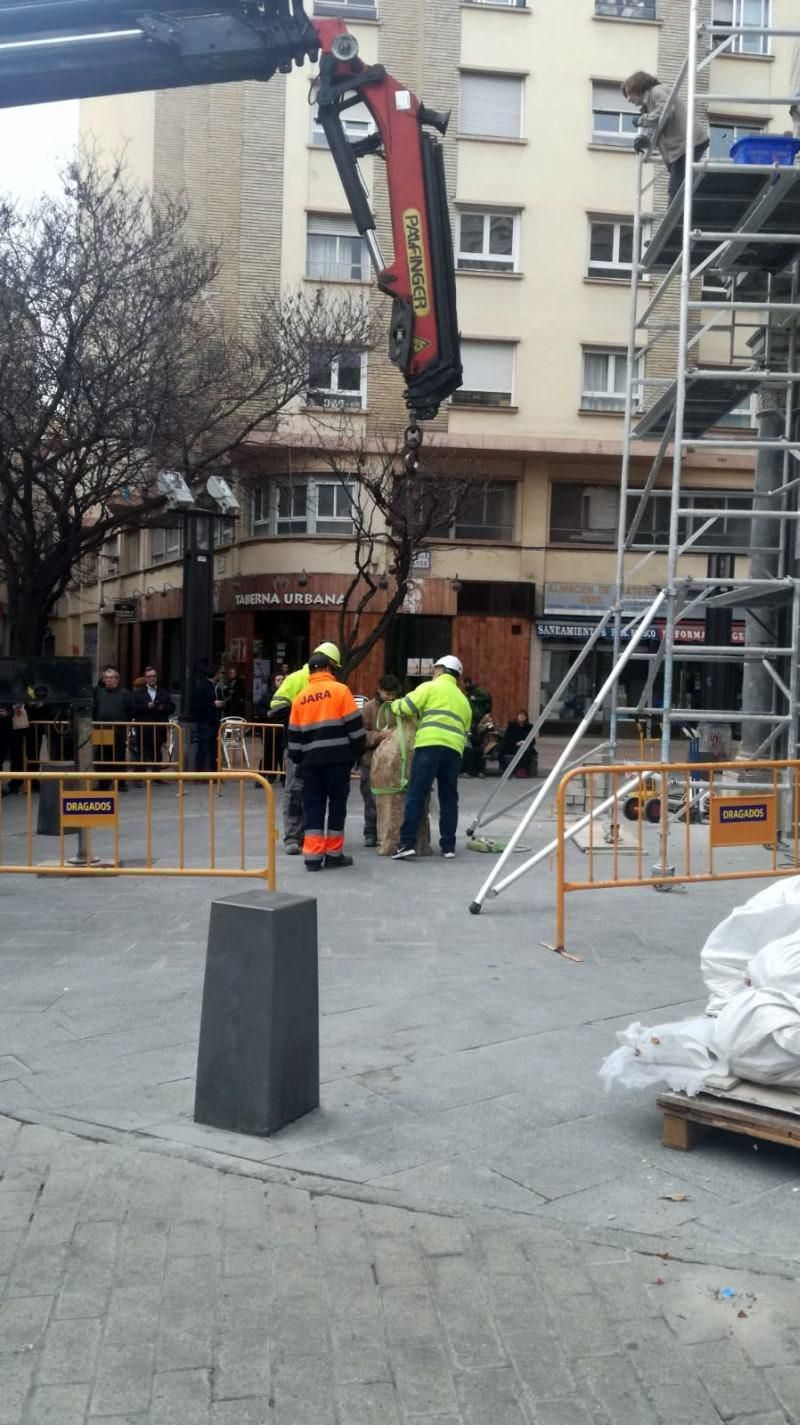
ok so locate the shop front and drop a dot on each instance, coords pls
(272, 620)
(572, 613)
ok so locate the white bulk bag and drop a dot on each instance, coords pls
(769, 915)
(777, 965)
(681, 1055)
(758, 1033)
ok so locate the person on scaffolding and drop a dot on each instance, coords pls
(651, 96)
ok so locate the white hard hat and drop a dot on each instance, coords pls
(451, 663)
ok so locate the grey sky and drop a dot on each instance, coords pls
(33, 145)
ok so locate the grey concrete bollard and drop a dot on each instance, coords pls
(258, 1056)
(48, 820)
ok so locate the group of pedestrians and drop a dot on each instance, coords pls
(119, 712)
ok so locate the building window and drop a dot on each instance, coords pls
(335, 251)
(612, 116)
(729, 531)
(741, 415)
(305, 505)
(653, 527)
(357, 123)
(626, 9)
(743, 12)
(724, 132)
(611, 246)
(490, 515)
(338, 383)
(512, 4)
(488, 374)
(583, 514)
(487, 242)
(223, 533)
(491, 106)
(346, 9)
(129, 547)
(604, 377)
(166, 544)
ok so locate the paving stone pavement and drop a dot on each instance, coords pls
(137, 1288)
(459, 1057)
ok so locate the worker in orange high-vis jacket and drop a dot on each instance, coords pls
(326, 736)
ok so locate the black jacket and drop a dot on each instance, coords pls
(235, 698)
(516, 733)
(203, 699)
(113, 705)
(159, 709)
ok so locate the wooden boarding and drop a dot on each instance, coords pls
(768, 1114)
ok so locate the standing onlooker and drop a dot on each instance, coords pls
(234, 692)
(515, 734)
(444, 718)
(481, 704)
(325, 738)
(389, 687)
(651, 95)
(113, 706)
(206, 708)
(151, 704)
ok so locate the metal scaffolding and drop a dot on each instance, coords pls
(723, 262)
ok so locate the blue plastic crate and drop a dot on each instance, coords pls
(766, 148)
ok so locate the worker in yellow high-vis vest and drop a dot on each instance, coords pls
(279, 709)
(444, 717)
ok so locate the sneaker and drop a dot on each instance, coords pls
(292, 848)
(449, 855)
(313, 865)
(370, 840)
(404, 853)
(335, 863)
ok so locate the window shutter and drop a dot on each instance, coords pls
(335, 224)
(610, 96)
(491, 104)
(488, 365)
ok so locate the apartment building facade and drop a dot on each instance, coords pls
(540, 169)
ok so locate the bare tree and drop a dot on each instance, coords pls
(116, 359)
(395, 512)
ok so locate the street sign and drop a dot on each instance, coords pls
(88, 809)
(743, 821)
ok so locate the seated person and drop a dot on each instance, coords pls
(515, 734)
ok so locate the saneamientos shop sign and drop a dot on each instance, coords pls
(287, 599)
(576, 631)
(550, 629)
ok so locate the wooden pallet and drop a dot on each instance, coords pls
(772, 1115)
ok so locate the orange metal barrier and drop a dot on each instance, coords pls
(254, 745)
(144, 743)
(59, 738)
(690, 822)
(107, 824)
